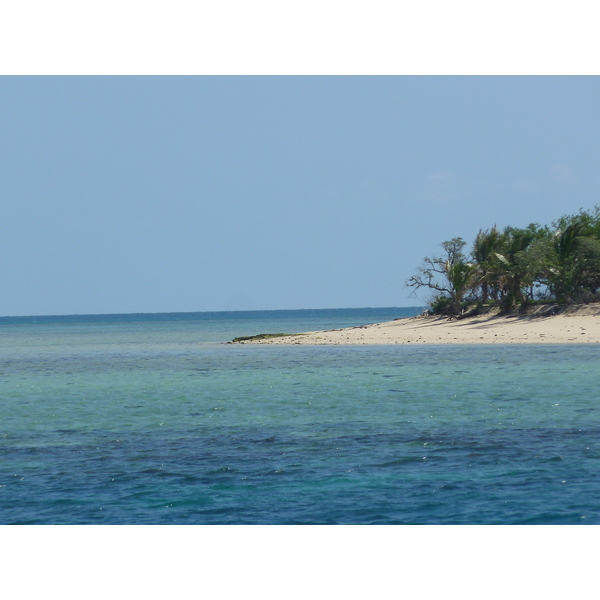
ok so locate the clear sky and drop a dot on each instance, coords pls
(164, 194)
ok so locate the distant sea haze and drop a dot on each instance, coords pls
(340, 314)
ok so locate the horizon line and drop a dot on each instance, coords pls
(193, 312)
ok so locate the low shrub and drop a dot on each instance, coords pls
(441, 305)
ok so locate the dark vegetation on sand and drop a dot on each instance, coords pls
(260, 336)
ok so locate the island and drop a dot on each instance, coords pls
(536, 285)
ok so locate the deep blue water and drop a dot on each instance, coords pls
(160, 422)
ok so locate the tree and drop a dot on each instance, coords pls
(450, 275)
(562, 261)
(510, 264)
(570, 265)
(486, 244)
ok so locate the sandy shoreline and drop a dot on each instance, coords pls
(574, 325)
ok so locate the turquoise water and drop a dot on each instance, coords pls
(159, 422)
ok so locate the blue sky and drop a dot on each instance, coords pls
(160, 194)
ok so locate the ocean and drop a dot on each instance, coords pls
(154, 419)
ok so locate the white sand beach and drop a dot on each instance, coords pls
(573, 325)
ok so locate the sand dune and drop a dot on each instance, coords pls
(573, 325)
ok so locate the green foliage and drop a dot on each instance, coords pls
(486, 245)
(449, 276)
(441, 305)
(516, 266)
(573, 268)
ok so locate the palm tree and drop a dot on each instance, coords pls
(461, 276)
(510, 267)
(567, 264)
(485, 245)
